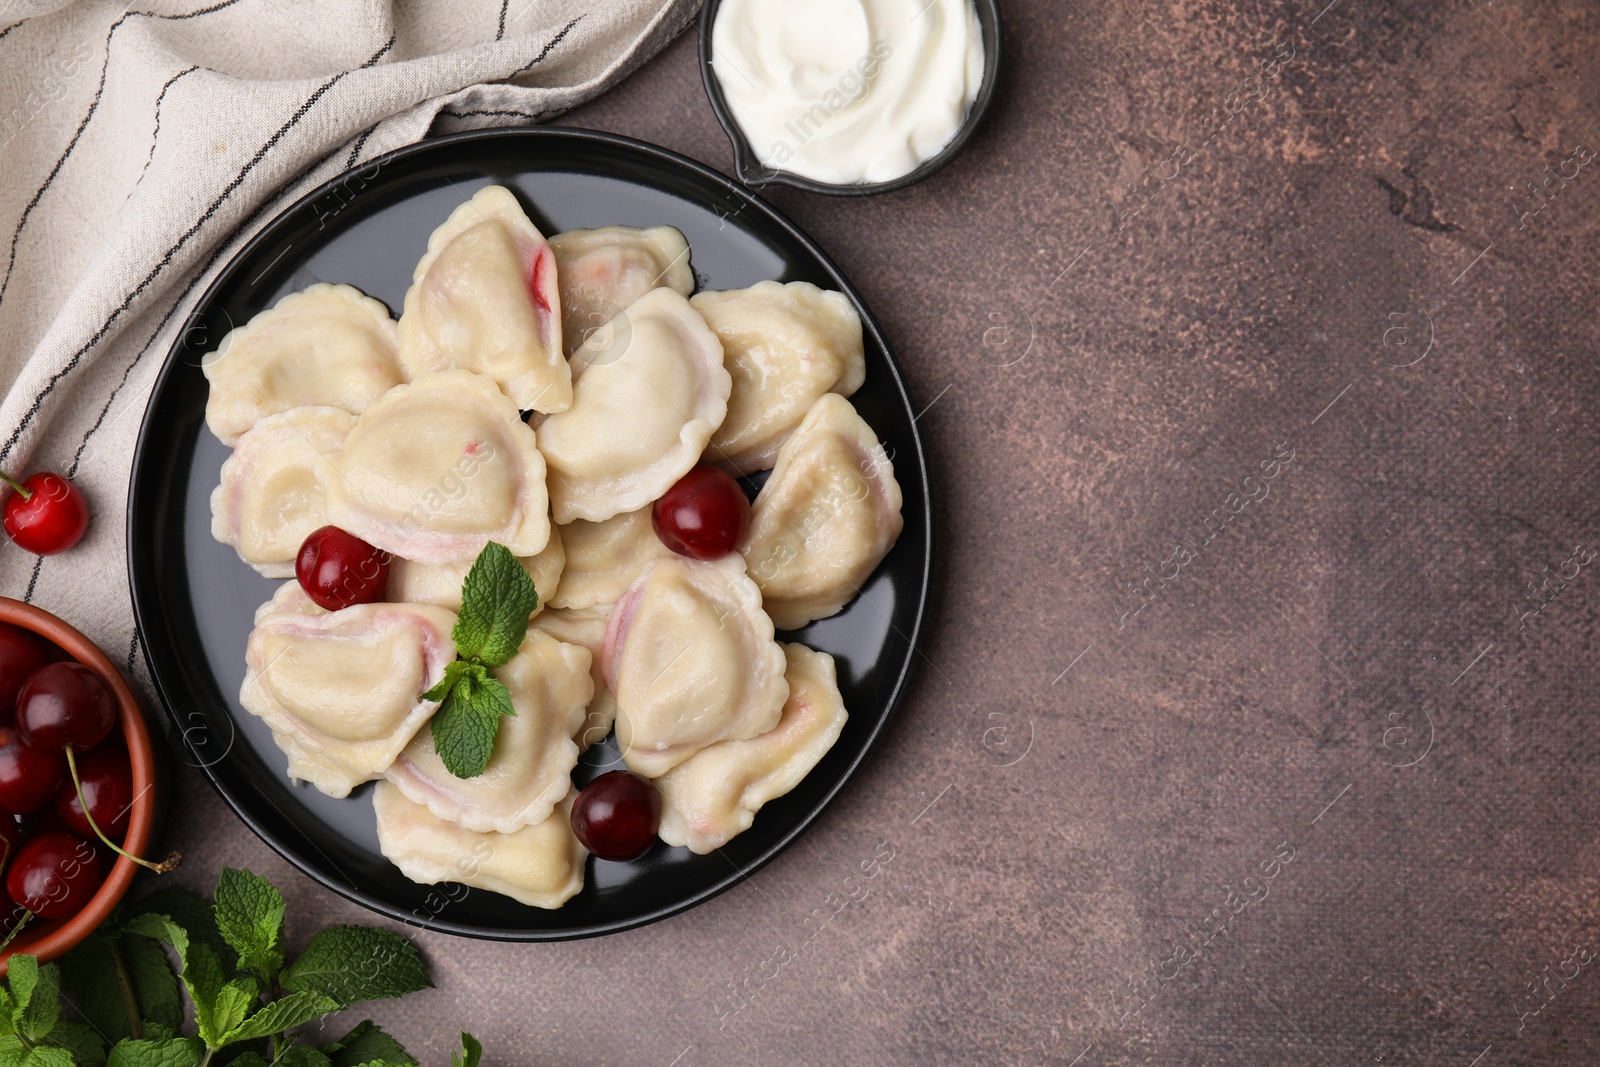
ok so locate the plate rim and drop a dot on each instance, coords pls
(144, 613)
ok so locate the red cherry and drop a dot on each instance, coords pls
(703, 516)
(338, 569)
(21, 653)
(45, 514)
(616, 815)
(29, 777)
(65, 704)
(54, 875)
(107, 780)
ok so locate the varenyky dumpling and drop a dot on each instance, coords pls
(603, 271)
(603, 558)
(715, 793)
(485, 299)
(785, 346)
(342, 691)
(648, 392)
(534, 752)
(539, 865)
(828, 514)
(272, 497)
(440, 584)
(437, 469)
(586, 627)
(325, 346)
(690, 657)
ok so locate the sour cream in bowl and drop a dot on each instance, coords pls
(848, 96)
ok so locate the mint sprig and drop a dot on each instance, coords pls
(114, 1000)
(497, 602)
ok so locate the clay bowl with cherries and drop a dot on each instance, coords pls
(89, 887)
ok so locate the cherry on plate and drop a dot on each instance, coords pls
(45, 513)
(21, 653)
(703, 516)
(54, 875)
(29, 777)
(616, 815)
(65, 704)
(339, 570)
(107, 780)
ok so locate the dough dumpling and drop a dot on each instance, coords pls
(534, 753)
(603, 558)
(586, 627)
(828, 514)
(785, 346)
(648, 393)
(540, 865)
(342, 691)
(714, 795)
(440, 584)
(603, 271)
(485, 299)
(325, 346)
(690, 657)
(439, 468)
(272, 497)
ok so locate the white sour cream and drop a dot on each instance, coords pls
(847, 91)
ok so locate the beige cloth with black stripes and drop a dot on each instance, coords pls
(140, 148)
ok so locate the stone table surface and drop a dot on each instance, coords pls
(1257, 344)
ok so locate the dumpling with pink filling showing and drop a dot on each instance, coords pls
(690, 657)
(342, 691)
(649, 390)
(603, 271)
(439, 468)
(484, 298)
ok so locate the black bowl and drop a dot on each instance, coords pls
(748, 166)
(194, 600)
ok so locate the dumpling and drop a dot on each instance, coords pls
(785, 346)
(603, 271)
(714, 795)
(690, 657)
(539, 865)
(437, 469)
(271, 496)
(534, 752)
(603, 558)
(342, 691)
(325, 346)
(485, 299)
(647, 395)
(828, 514)
(440, 584)
(586, 627)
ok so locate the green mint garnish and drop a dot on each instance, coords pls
(497, 600)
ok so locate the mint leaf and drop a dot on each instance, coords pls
(452, 673)
(465, 726)
(86, 1046)
(13, 1053)
(302, 1056)
(172, 1052)
(368, 1044)
(196, 917)
(8, 1008)
(249, 915)
(249, 1059)
(497, 601)
(23, 971)
(155, 987)
(355, 963)
(42, 1007)
(91, 973)
(471, 1052)
(280, 1015)
(44, 1056)
(227, 1010)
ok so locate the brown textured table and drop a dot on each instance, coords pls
(1154, 673)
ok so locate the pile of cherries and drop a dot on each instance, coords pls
(703, 516)
(66, 783)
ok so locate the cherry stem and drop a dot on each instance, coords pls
(15, 930)
(160, 868)
(26, 494)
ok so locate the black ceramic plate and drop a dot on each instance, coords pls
(194, 599)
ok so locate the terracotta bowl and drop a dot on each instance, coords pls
(48, 940)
